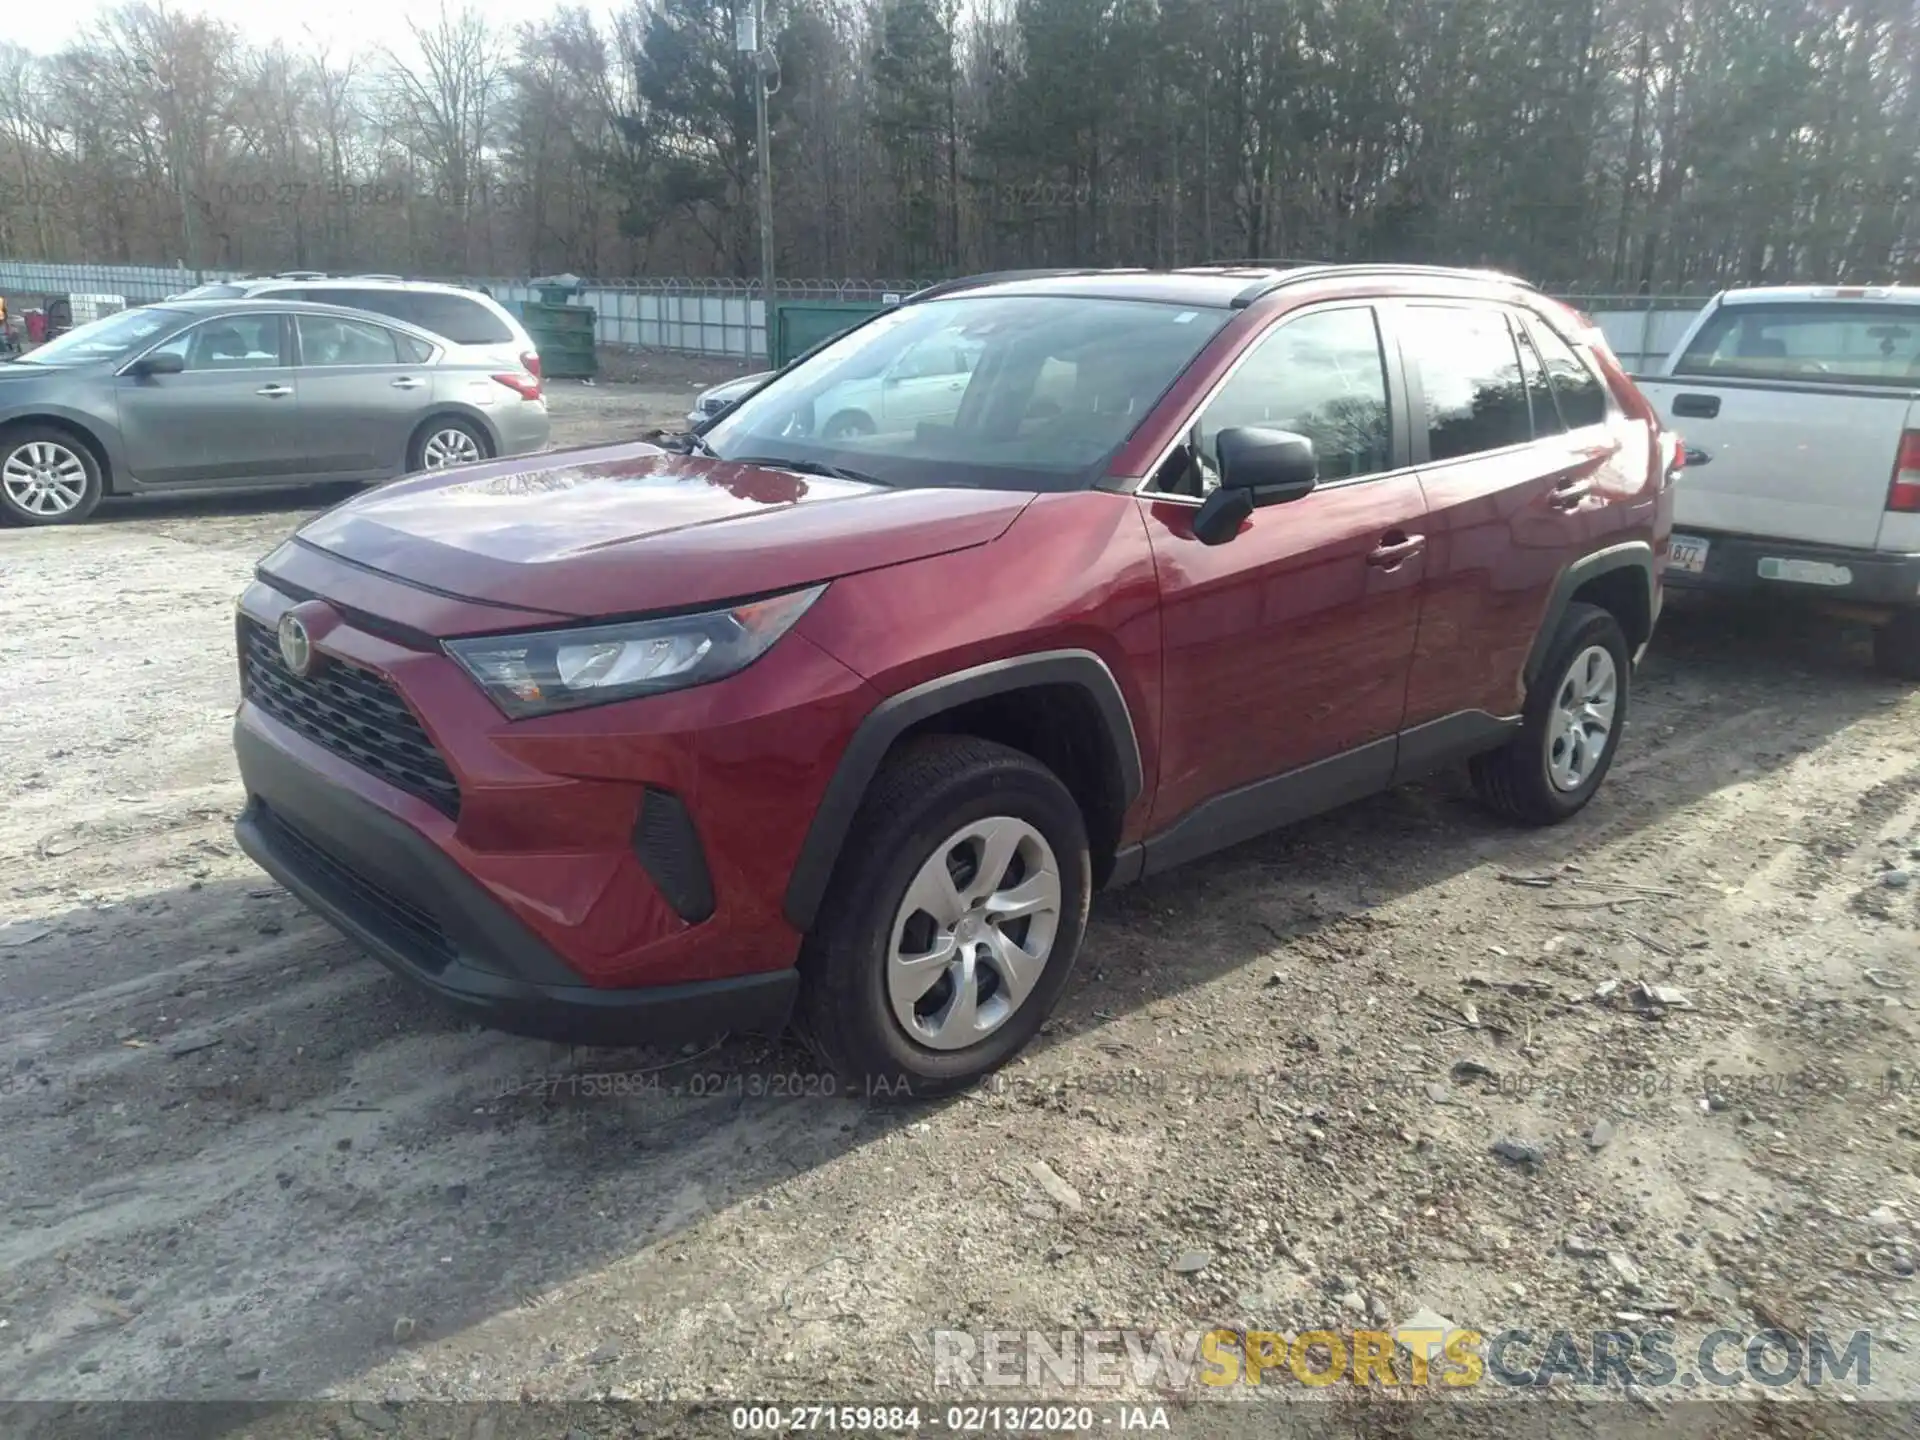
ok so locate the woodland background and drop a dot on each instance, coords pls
(1611, 145)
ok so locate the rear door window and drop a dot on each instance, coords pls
(391, 303)
(1581, 394)
(1546, 412)
(1469, 367)
(1840, 343)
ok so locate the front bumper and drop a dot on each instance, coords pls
(612, 871)
(383, 884)
(1734, 566)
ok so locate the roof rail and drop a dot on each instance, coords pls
(1271, 283)
(997, 277)
(399, 278)
(299, 275)
(1262, 262)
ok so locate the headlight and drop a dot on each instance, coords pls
(545, 671)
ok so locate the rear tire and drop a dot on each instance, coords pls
(892, 1025)
(47, 477)
(446, 441)
(1551, 768)
(1896, 646)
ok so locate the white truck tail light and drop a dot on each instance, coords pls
(1903, 495)
(1676, 458)
(530, 362)
(527, 387)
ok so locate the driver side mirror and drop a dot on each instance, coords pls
(165, 363)
(1257, 468)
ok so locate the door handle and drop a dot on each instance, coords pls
(274, 392)
(1568, 494)
(407, 382)
(1697, 407)
(1390, 553)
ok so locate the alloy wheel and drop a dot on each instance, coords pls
(44, 478)
(449, 447)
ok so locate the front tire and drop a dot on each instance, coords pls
(952, 923)
(47, 477)
(1570, 726)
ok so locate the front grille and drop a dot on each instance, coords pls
(353, 713)
(417, 933)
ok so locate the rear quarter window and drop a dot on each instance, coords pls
(463, 321)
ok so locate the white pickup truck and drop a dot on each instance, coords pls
(1800, 413)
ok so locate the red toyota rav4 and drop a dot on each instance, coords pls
(1030, 585)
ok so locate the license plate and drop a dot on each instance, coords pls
(1687, 553)
(1805, 572)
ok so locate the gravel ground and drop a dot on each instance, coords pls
(241, 1162)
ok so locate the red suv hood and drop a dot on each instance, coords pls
(632, 528)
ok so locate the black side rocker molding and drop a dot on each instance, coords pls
(807, 886)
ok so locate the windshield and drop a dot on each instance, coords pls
(103, 339)
(1030, 392)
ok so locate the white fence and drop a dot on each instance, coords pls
(728, 317)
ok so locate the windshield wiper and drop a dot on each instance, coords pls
(808, 467)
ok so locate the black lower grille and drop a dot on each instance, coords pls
(415, 932)
(352, 712)
(669, 848)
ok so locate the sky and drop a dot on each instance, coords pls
(345, 25)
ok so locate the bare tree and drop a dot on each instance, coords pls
(448, 102)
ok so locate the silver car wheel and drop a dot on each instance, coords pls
(1582, 718)
(447, 447)
(44, 478)
(974, 933)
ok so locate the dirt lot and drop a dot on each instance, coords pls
(240, 1162)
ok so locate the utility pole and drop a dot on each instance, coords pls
(747, 39)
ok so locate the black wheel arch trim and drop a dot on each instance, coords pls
(820, 852)
(1629, 555)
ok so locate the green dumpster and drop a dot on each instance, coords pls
(799, 325)
(563, 333)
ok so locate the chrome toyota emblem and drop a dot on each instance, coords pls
(295, 648)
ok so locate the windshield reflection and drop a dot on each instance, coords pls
(1031, 392)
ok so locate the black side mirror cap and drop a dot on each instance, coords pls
(1257, 468)
(1221, 515)
(162, 364)
(1275, 465)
